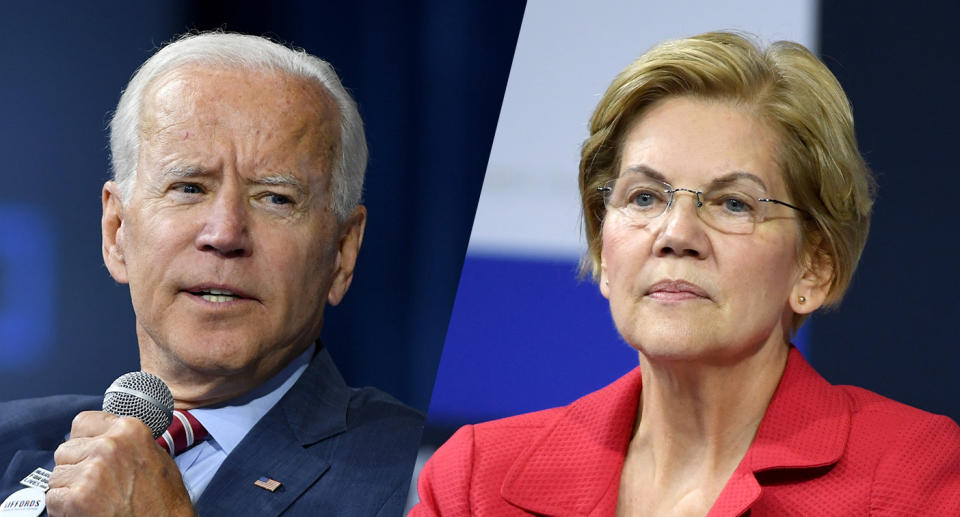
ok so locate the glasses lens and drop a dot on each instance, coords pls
(730, 207)
(733, 207)
(638, 197)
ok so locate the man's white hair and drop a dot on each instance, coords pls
(244, 52)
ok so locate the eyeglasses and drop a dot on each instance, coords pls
(735, 206)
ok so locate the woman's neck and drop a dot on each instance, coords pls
(695, 422)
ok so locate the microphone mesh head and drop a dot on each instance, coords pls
(143, 396)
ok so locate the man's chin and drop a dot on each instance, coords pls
(195, 364)
(206, 380)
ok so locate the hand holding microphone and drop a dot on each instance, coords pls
(112, 465)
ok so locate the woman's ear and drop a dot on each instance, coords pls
(603, 280)
(815, 278)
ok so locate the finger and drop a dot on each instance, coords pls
(130, 429)
(69, 501)
(62, 476)
(57, 501)
(124, 436)
(92, 423)
(73, 451)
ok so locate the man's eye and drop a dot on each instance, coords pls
(189, 188)
(278, 199)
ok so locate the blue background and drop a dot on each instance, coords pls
(428, 77)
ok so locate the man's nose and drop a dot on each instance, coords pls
(225, 228)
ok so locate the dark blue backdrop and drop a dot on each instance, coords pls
(896, 332)
(428, 77)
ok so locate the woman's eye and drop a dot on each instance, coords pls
(736, 205)
(643, 198)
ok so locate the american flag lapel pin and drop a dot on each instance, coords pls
(268, 483)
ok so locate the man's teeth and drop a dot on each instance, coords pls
(218, 295)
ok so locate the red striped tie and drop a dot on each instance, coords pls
(184, 432)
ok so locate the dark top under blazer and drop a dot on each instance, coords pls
(820, 450)
(337, 450)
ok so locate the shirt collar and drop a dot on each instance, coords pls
(229, 422)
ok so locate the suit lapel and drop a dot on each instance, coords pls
(289, 444)
(23, 463)
(46, 423)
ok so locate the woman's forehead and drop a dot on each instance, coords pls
(691, 141)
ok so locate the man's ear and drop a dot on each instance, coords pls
(812, 287)
(111, 225)
(351, 237)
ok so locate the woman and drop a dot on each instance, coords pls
(724, 200)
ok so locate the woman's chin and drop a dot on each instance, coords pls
(693, 346)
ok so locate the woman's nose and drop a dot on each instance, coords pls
(683, 231)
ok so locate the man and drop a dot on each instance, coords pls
(234, 217)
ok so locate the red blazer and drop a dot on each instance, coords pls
(820, 450)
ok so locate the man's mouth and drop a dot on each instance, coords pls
(217, 295)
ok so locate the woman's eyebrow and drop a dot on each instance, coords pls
(735, 176)
(731, 177)
(646, 171)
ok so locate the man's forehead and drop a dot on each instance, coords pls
(212, 94)
(263, 121)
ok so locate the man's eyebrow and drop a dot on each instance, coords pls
(190, 171)
(183, 171)
(282, 179)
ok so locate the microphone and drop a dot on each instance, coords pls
(143, 396)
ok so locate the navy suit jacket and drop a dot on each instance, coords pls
(336, 450)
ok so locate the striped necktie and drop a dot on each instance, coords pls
(184, 432)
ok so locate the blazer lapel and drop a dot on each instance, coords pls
(23, 463)
(44, 425)
(289, 444)
(806, 426)
(573, 467)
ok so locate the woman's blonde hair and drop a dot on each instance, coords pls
(789, 89)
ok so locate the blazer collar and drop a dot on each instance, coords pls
(322, 389)
(287, 444)
(806, 426)
(580, 454)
